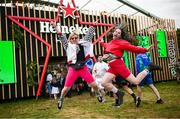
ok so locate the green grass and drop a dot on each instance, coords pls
(85, 106)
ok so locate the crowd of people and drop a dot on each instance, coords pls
(101, 76)
(55, 80)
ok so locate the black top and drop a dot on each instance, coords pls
(80, 55)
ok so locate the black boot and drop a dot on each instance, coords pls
(152, 67)
(100, 97)
(60, 103)
(119, 100)
(134, 97)
(138, 101)
(160, 101)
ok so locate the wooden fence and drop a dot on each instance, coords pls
(34, 50)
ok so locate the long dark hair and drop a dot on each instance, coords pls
(124, 32)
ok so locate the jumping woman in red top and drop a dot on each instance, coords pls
(114, 51)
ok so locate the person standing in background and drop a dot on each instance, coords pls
(99, 69)
(142, 62)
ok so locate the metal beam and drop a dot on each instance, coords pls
(137, 8)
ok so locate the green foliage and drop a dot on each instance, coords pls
(31, 69)
(18, 36)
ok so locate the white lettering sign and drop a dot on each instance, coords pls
(45, 27)
(172, 56)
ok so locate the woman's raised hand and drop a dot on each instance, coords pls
(150, 47)
(53, 23)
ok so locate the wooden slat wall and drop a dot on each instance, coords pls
(34, 49)
(14, 87)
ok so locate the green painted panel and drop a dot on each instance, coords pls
(7, 62)
(161, 39)
(144, 41)
(126, 59)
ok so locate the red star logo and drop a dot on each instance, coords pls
(69, 11)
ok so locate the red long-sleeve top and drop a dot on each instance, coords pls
(117, 47)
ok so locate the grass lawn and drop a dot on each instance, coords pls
(84, 106)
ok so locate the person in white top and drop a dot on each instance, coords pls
(48, 83)
(98, 72)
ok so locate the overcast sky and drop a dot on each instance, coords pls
(162, 8)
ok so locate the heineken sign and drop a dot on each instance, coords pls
(46, 27)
